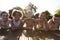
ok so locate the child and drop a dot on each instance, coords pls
(17, 23)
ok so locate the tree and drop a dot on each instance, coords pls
(18, 8)
(10, 12)
(57, 11)
(30, 9)
(49, 16)
(36, 15)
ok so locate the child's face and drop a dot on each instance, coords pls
(5, 16)
(43, 16)
(29, 14)
(16, 16)
(56, 19)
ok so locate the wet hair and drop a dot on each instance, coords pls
(43, 12)
(4, 12)
(57, 15)
(17, 12)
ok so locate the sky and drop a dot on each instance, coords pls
(42, 5)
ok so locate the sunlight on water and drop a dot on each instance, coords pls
(2, 37)
(23, 37)
(33, 28)
(24, 25)
(49, 39)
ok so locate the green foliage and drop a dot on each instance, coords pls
(49, 16)
(36, 15)
(18, 8)
(57, 11)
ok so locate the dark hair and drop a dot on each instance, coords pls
(4, 12)
(57, 15)
(17, 12)
(43, 13)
